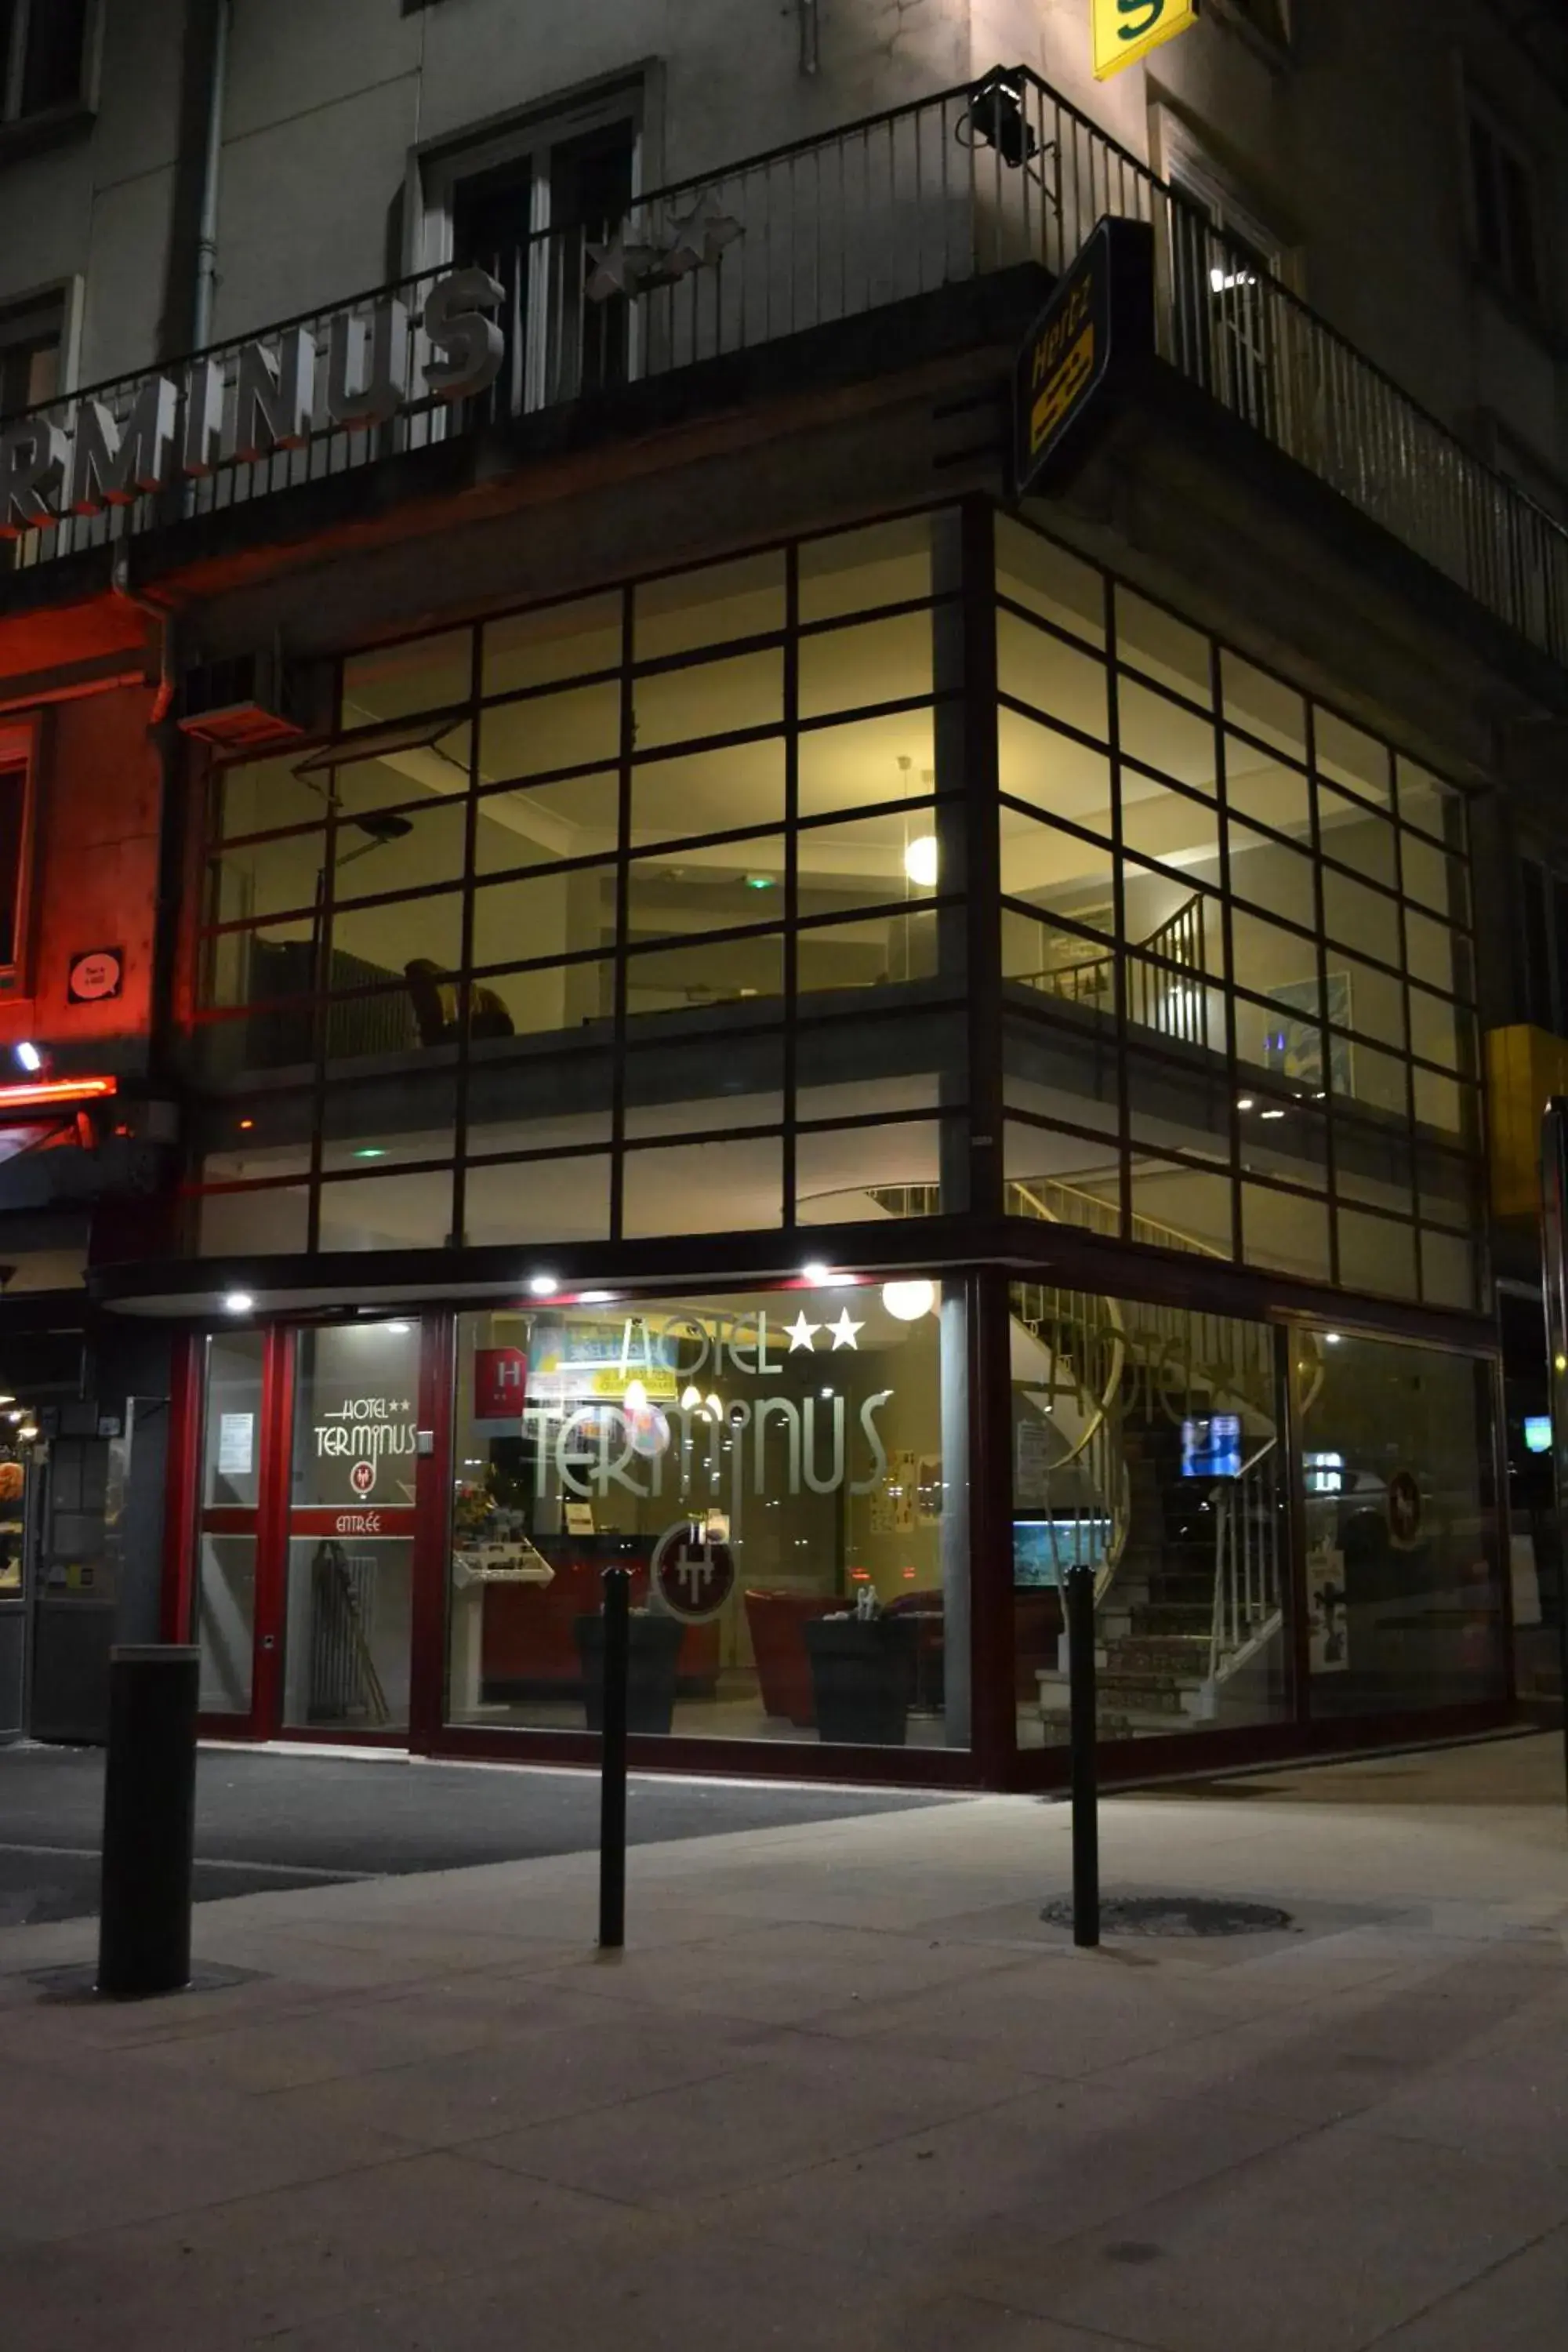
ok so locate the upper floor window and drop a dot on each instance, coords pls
(30, 337)
(16, 798)
(1505, 210)
(43, 49)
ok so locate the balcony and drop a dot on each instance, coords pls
(930, 196)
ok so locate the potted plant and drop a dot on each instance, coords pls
(862, 1674)
(653, 1650)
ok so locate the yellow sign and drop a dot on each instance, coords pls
(1062, 388)
(1126, 30)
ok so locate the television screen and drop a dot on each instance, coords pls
(1538, 1432)
(1044, 1549)
(1210, 1446)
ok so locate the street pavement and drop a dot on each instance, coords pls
(844, 2091)
(278, 1819)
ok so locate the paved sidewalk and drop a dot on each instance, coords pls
(845, 2090)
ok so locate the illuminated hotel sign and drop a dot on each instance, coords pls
(1126, 30)
(1092, 337)
(81, 457)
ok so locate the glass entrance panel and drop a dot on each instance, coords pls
(1148, 1446)
(1403, 1587)
(781, 1471)
(350, 1527)
(226, 1564)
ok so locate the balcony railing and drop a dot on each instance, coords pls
(933, 193)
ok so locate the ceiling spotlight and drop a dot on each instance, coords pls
(691, 1397)
(815, 1273)
(921, 861)
(238, 1302)
(28, 1057)
(906, 1302)
(544, 1286)
(28, 1431)
(1244, 1102)
(1332, 1338)
(635, 1398)
(595, 1298)
(401, 1329)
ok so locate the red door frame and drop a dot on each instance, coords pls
(270, 1523)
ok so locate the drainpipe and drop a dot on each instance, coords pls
(212, 160)
(810, 36)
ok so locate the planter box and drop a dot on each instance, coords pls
(655, 1646)
(862, 1675)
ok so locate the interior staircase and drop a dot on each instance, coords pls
(1189, 1571)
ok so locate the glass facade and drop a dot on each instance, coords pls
(921, 868)
(595, 917)
(1237, 952)
(774, 1468)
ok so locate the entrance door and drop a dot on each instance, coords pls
(306, 1530)
(349, 1570)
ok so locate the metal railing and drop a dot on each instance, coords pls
(939, 191)
(1159, 996)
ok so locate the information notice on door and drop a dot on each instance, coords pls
(235, 1445)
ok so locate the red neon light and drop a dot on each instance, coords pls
(33, 1092)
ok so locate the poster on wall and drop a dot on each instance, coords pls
(1328, 1625)
(1032, 1469)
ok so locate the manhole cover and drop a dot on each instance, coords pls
(1175, 1915)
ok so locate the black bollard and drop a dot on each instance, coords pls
(149, 1823)
(1079, 1592)
(613, 1761)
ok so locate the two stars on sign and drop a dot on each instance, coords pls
(802, 1334)
(696, 241)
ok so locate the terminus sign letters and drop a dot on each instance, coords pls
(81, 456)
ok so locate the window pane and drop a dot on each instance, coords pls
(703, 973)
(1373, 1162)
(723, 601)
(1264, 706)
(57, 32)
(418, 845)
(1275, 963)
(537, 1200)
(670, 1090)
(526, 920)
(876, 661)
(709, 792)
(1360, 916)
(810, 1459)
(1053, 773)
(387, 1212)
(1176, 1207)
(264, 796)
(539, 822)
(872, 858)
(854, 571)
(1175, 1104)
(871, 759)
(401, 772)
(1154, 642)
(578, 728)
(1449, 1270)
(1435, 808)
(568, 996)
(708, 890)
(1351, 836)
(875, 952)
(400, 937)
(694, 1188)
(392, 681)
(1405, 1609)
(557, 643)
(1283, 1230)
(271, 1222)
(267, 879)
(1347, 756)
(1434, 878)
(1266, 791)
(708, 698)
(1363, 1074)
(1377, 1254)
(1163, 735)
(1037, 574)
(1278, 880)
(1368, 1000)
(891, 1170)
(1183, 831)
(1056, 870)
(1439, 956)
(1050, 677)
